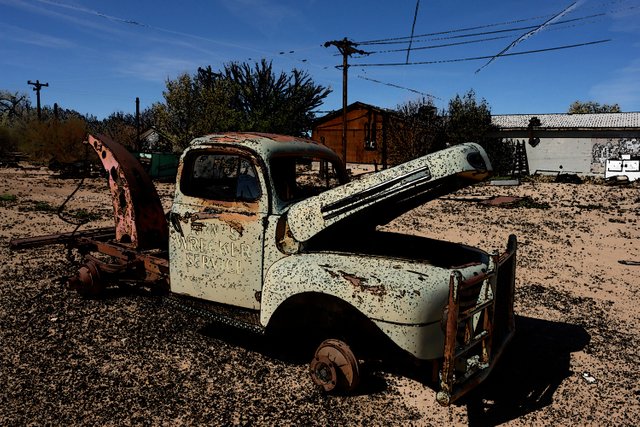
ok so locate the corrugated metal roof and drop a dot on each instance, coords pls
(354, 106)
(570, 121)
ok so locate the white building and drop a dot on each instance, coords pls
(574, 143)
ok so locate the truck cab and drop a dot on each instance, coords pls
(232, 192)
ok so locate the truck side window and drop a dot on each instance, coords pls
(221, 177)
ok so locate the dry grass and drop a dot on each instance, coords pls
(131, 359)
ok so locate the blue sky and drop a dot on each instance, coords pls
(98, 56)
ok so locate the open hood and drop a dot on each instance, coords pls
(382, 196)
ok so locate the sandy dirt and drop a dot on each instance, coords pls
(131, 359)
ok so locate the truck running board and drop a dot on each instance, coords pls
(223, 314)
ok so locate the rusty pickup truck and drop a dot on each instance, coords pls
(267, 233)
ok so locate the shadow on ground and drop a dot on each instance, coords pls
(530, 371)
(534, 364)
(295, 352)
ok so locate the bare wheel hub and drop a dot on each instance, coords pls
(334, 366)
(87, 282)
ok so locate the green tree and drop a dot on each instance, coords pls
(217, 109)
(468, 120)
(239, 98)
(271, 102)
(415, 129)
(579, 107)
(420, 130)
(178, 112)
(196, 105)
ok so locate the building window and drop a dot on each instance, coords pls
(370, 136)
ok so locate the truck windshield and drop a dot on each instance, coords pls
(297, 178)
(217, 176)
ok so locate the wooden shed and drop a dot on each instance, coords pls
(366, 133)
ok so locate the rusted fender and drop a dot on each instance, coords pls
(408, 297)
(139, 217)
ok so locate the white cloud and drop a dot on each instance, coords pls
(264, 15)
(622, 88)
(50, 13)
(21, 35)
(155, 68)
(625, 19)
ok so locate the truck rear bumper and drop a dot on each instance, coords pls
(480, 322)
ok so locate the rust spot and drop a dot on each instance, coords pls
(241, 136)
(332, 273)
(197, 226)
(502, 201)
(470, 264)
(360, 283)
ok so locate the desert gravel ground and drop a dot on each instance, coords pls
(131, 359)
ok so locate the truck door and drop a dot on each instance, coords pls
(217, 227)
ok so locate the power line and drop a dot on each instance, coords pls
(413, 27)
(457, 30)
(436, 46)
(399, 87)
(484, 33)
(463, 36)
(486, 39)
(405, 39)
(533, 32)
(476, 58)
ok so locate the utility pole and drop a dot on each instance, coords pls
(137, 123)
(346, 48)
(36, 87)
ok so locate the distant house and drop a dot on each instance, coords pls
(154, 140)
(578, 143)
(157, 155)
(367, 140)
